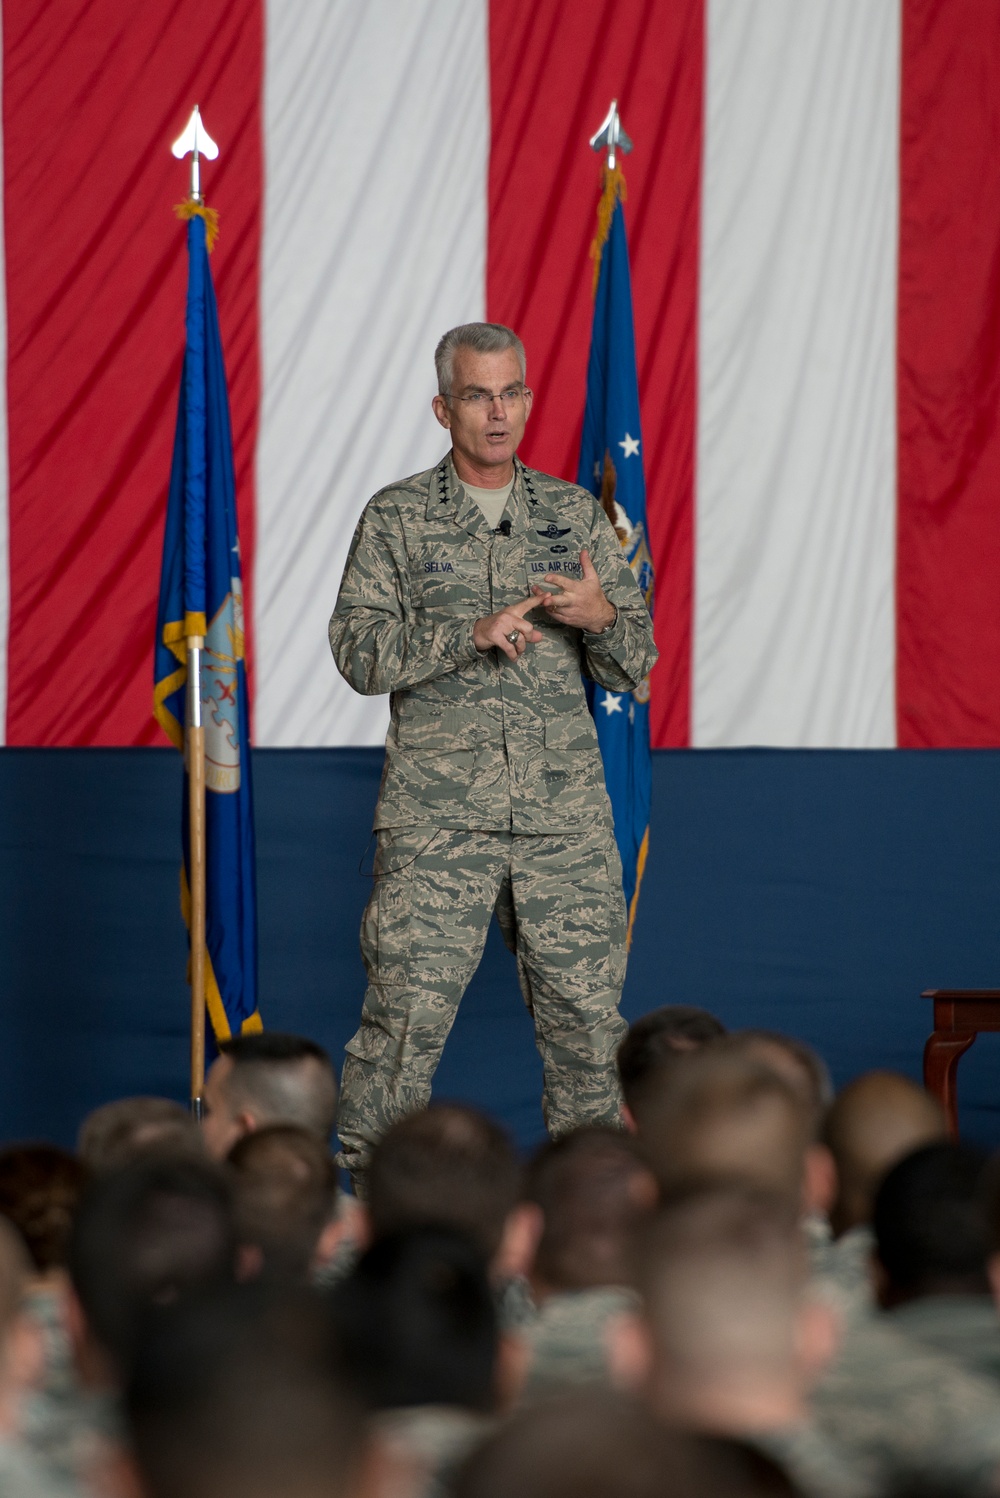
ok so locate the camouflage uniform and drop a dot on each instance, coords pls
(901, 1414)
(568, 1341)
(963, 1327)
(429, 1442)
(493, 789)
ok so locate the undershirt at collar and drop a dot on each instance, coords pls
(492, 502)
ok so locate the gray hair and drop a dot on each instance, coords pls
(482, 338)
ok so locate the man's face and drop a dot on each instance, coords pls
(219, 1126)
(485, 433)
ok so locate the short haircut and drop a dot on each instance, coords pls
(146, 1236)
(872, 1123)
(417, 1322)
(15, 1268)
(796, 1060)
(236, 1396)
(447, 1165)
(606, 1445)
(285, 1192)
(40, 1191)
(481, 338)
(661, 1035)
(269, 1076)
(593, 1189)
(725, 1115)
(722, 1269)
(931, 1223)
(122, 1131)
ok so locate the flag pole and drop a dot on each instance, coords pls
(194, 741)
(196, 140)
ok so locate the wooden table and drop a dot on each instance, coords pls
(959, 1016)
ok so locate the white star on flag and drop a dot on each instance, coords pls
(611, 704)
(631, 446)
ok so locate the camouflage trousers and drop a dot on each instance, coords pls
(558, 898)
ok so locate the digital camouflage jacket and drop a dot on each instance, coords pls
(477, 740)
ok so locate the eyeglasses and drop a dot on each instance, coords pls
(512, 396)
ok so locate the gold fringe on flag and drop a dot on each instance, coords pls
(191, 208)
(613, 191)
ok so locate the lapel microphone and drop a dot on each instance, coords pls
(503, 529)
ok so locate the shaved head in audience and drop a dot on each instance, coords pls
(727, 1116)
(267, 1078)
(450, 1166)
(734, 1340)
(593, 1189)
(654, 1041)
(118, 1133)
(873, 1122)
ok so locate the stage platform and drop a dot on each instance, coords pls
(813, 891)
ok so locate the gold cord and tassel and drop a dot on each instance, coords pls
(192, 208)
(614, 190)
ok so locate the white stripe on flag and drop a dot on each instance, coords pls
(376, 147)
(796, 493)
(4, 464)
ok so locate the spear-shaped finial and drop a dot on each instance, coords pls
(611, 136)
(196, 139)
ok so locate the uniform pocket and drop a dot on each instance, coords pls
(571, 731)
(387, 924)
(446, 733)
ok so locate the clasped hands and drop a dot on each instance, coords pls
(578, 602)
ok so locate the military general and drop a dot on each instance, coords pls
(476, 594)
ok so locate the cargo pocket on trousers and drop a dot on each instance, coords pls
(387, 925)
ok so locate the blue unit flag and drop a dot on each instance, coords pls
(201, 593)
(611, 467)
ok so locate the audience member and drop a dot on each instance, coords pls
(451, 1166)
(118, 1133)
(655, 1039)
(267, 1078)
(725, 1115)
(146, 1236)
(22, 1475)
(235, 1396)
(40, 1191)
(592, 1190)
(806, 1073)
(418, 1329)
(285, 1200)
(933, 1244)
(732, 1342)
(801, 1066)
(872, 1123)
(605, 1445)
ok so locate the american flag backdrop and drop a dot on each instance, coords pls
(814, 225)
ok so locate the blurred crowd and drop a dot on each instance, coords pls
(752, 1287)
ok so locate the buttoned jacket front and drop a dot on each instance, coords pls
(477, 740)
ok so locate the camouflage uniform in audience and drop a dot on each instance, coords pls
(23, 1476)
(65, 1426)
(816, 1466)
(492, 776)
(898, 1413)
(567, 1340)
(965, 1328)
(431, 1441)
(842, 1271)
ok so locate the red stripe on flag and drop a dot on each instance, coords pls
(94, 93)
(948, 588)
(554, 70)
